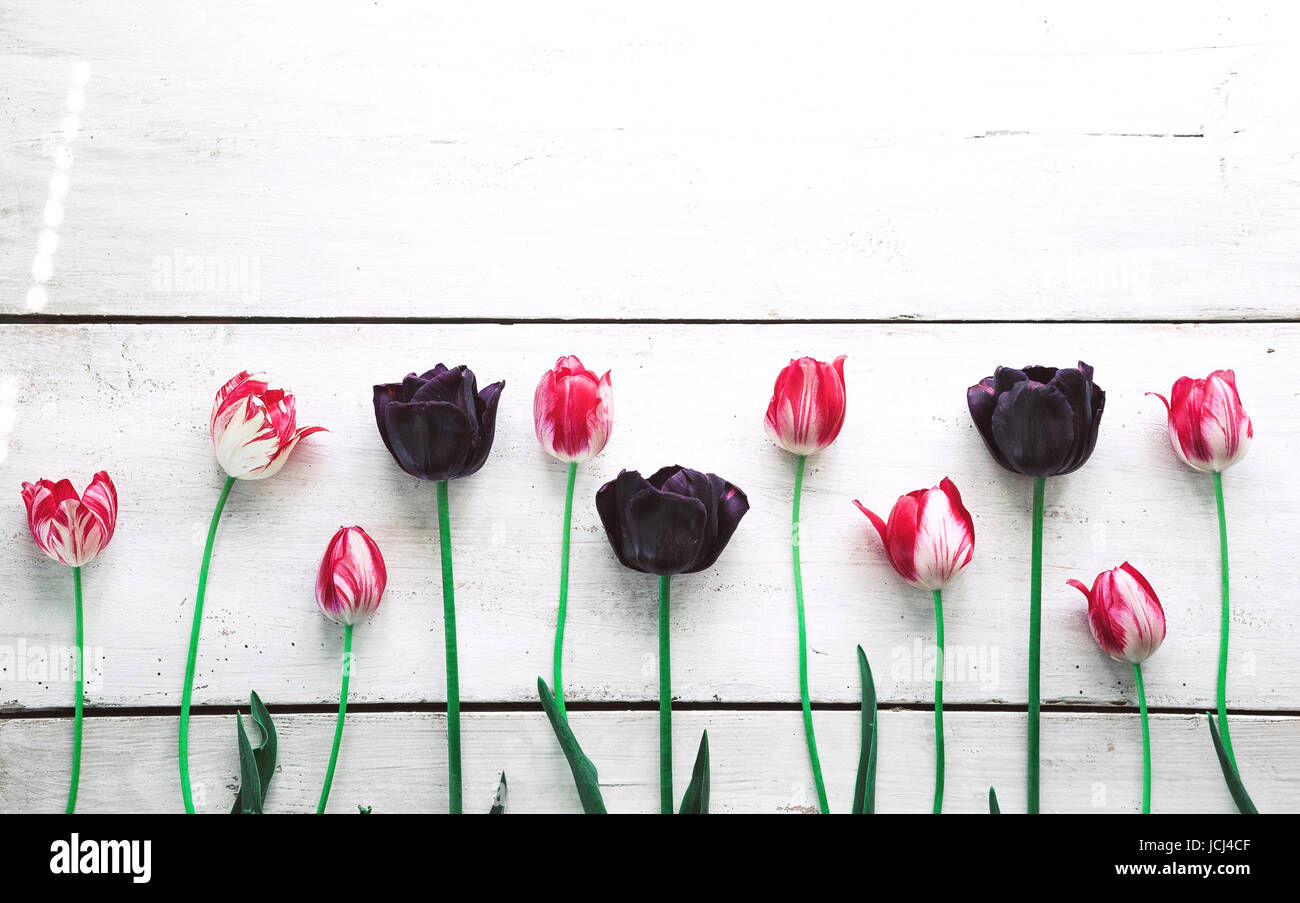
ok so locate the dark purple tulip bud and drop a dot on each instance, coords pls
(438, 426)
(1039, 421)
(676, 522)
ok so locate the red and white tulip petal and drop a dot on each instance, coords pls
(806, 412)
(352, 577)
(67, 528)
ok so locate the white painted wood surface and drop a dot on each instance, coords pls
(396, 762)
(515, 160)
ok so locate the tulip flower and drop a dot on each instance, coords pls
(1210, 431)
(928, 539)
(1129, 625)
(805, 415)
(573, 412)
(254, 429)
(440, 427)
(676, 522)
(1040, 422)
(73, 530)
(349, 585)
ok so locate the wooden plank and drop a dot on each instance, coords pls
(396, 762)
(411, 159)
(135, 400)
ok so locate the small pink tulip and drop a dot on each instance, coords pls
(69, 528)
(573, 411)
(930, 535)
(806, 412)
(254, 427)
(1208, 427)
(1124, 614)
(352, 577)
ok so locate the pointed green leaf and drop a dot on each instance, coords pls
(864, 794)
(249, 801)
(1238, 790)
(696, 799)
(364, 810)
(263, 756)
(994, 808)
(584, 772)
(499, 800)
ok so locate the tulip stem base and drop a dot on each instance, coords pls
(818, 781)
(453, 667)
(80, 680)
(1224, 619)
(338, 726)
(1035, 637)
(665, 705)
(564, 591)
(938, 703)
(1146, 741)
(190, 663)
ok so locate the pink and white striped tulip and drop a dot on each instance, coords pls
(573, 411)
(1208, 427)
(806, 412)
(930, 535)
(1124, 614)
(69, 528)
(351, 578)
(254, 427)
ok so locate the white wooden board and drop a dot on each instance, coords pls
(135, 400)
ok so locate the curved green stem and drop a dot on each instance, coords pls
(1146, 741)
(338, 727)
(80, 680)
(564, 589)
(1223, 621)
(194, 647)
(818, 781)
(665, 706)
(1035, 636)
(938, 705)
(453, 669)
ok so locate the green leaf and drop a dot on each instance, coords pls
(249, 801)
(263, 756)
(364, 810)
(1238, 790)
(584, 772)
(864, 794)
(696, 799)
(994, 809)
(499, 800)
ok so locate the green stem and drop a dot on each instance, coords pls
(194, 647)
(938, 705)
(564, 589)
(803, 642)
(80, 678)
(449, 632)
(1146, 741)
(665, 705)
(338, 727)
(1035, 636)
(1223, 621)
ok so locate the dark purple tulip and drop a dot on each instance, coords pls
(676, 522)
(1039, 421)
(438, 426)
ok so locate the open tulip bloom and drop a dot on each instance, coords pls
(439, 427)
(928, 538)
(1129, 625)
(1040, 422)
(676, 522)
(1210, 431)
(804, 416)
(349, 585)
(254, 429)
(73, 529)
(573, 413)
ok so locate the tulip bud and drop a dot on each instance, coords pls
(352, 577)
(1208, 428)
(1124, 614)
(573, 411)
(806, 412)
(930, 535)
(69, 528)
(254, 427)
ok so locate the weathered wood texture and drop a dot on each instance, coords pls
(135, 400)
(582, 160)
(396, 762)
